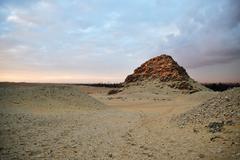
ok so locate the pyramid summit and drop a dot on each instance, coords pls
(162, 68)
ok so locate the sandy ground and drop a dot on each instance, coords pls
(136, 126)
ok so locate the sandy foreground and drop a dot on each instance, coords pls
(62, 123)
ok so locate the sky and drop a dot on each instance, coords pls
(89, 41)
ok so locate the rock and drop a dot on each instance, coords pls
(215, 137)
(229, 123)
(114, 91)
(195, 130)
(201, 156)
(215, 126)
(181, 85)
(227, 98)
(110, 155)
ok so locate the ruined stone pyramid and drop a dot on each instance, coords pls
(163, 69)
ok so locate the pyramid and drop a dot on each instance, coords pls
(163, 70)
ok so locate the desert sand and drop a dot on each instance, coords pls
(52, 121)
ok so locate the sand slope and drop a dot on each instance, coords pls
(46, 97)
(225, 107)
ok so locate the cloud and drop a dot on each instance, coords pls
(109, 37)
(20, 20)
(210, 34)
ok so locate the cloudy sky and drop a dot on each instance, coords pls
(104, 40)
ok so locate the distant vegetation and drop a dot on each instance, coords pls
(107, 85)
(221, 86)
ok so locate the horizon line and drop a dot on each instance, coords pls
(35, 82)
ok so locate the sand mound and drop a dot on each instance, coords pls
(162, 71)
(224, 106)
(46, 97)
